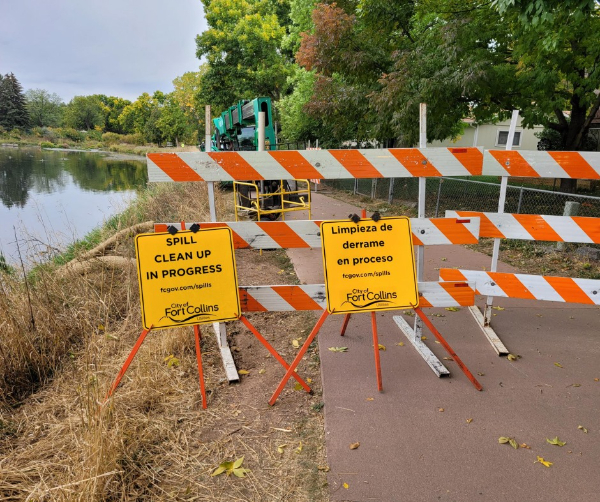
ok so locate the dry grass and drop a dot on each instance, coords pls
(152, 440)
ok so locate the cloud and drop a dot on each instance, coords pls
(115, 47)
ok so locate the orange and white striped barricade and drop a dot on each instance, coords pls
(306, 234)
(529, 287)
(315, 164)
(535, 227)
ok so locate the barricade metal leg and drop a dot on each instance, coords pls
(299, 357)
(445, 344)
(199, 360)
(273, 352)
(488, 331)
(376, 348)
(429, 357)
(345, 324)
(128, 361)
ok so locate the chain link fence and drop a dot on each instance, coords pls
(469, 195)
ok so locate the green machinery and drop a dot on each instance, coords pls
(237, 127)
(237, 130)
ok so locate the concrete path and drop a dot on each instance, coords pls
(436, 439)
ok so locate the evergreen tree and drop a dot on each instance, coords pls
(13, 106)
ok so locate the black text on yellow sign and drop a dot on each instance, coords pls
(369, 265)
(187, 278)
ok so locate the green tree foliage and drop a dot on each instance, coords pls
(186, 94)
(13, 106)
(243, 50)
(374, 61)
(112, 107)
(84, 112)
(45, 109)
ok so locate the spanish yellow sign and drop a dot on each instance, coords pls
(369, 265)
(187, 278)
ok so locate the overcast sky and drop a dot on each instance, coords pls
(114, 47)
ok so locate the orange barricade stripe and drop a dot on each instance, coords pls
(460, 291)
(514, 163)
(415, 162)
(486, 227)
(511, 285)
(450, 274)
(457, 233)
(235, 166)
(175, 168)
(296, 297)
(470, 158)
(591, 226)
(423, 303)
(282, 234)
(295, 164)
(574, 164)
(356, 163)
(160, 227)
(568, 289)
(538, 227)
(417, 241)
(248, 303)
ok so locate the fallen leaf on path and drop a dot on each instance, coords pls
(498, 308)
(381, 346)
(469, 420)
(261, 371)
(525, 445)
(452, 309)
(354, 446)
(324, 468)
(338, 349)
(243, 372)
(441, 410)
(299, 449)
(558, 365)
(448, 358)
(543, 462)
(574, 385)
(438, 315)
(479, 373)
(298, 386)
(511, 357)
(582, 428)
(282, 430)
(345, 485)
(510, 441)
(400, 344)
(596, 379)
(408, 312)
(423, 338)
(437, 341)
(281, 447)
(556, 441)
(370, 399)
(296, 343)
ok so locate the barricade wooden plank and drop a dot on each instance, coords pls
(535, 227)
(542, 164)
(315, 164)
(306, 233)
(312, 296)
(532, 287)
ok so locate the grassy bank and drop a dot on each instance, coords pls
(65, 332)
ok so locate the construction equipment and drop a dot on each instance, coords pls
(236, 129)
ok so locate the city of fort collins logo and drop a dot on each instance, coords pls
(184, 312)
(363, 298)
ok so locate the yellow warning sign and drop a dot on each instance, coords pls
(369, 265)
(187, 278)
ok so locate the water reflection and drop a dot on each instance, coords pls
(67, 192)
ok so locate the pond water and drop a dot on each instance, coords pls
(48, 199)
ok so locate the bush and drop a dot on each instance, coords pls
(71, 134)
(94, 134)
(111, 138)
(133, 139)
(16, 133)
(47, 144)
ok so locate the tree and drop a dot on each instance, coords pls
(187, 95)
(45, 109)
(243, 50)
(112, 107)
(13, 106)
(172, 122)
(84, 112)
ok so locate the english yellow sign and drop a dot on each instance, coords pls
(369, 265)
(187, 278)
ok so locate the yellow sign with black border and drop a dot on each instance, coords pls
(187, 278)
(369, 265)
